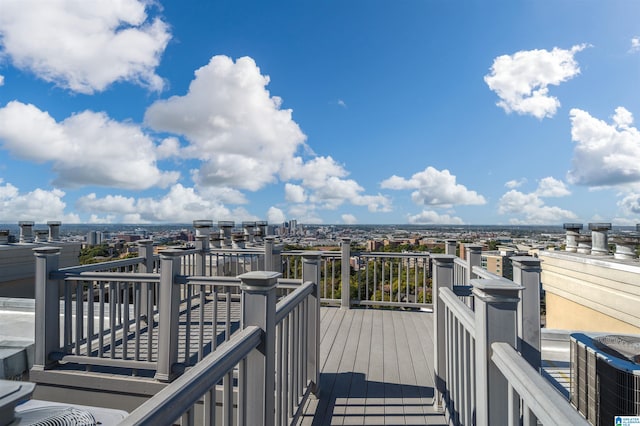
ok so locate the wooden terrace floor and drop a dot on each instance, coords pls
(374, 369)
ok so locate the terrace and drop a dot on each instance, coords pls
(253, 335)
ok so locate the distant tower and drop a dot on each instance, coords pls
(94, 238)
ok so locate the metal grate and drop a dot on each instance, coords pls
(602, 385)
(56, 416)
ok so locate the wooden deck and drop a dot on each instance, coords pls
(374, 369)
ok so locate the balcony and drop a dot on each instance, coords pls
(239, 336)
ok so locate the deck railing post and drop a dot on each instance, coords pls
(450, 247)
(345, 291)
(202, 245)
(168, 314)
(474, 258)
(145, 250)
(526, 272)
(203, 233)
(442, 278)
(311, 272)
(259, 309)
(496, 304)
(47, 307)
(269, 259)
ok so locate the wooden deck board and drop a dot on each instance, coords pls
(375, 370)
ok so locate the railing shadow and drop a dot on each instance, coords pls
(351, 397)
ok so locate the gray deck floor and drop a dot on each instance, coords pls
(374, 369)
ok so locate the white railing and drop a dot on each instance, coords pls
(375, 278)
(198, 387)
(272, 381)
(459, 340)
(531, 399)
(488, 355)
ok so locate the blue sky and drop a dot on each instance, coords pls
(425, 112)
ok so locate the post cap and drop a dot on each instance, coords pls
(526, 260)
(259, 280)
(496, 290)
(443, 258)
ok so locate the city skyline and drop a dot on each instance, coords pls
(360, 112)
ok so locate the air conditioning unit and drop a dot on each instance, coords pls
(45, 413)
(605, 376)
(16, 409)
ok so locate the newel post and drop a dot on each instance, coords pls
(311, 272)
(526, 272)
(496, 304)
(345, 291)
(168, 313)
(47, 308)
(474, 258)
(145, 250)
(148, 293)
(269, 255)
(450, 247)
(442, 278)
(203, 233)
(259, 309)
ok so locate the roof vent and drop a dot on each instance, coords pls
(572, 235)
(599, 238)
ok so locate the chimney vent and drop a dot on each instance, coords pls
(54, 230)
(572, 235)
(599, 238)
(26, 231)
(203, 227)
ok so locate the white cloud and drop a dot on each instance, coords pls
(532, 209)
(432, 217)
(512, 184)
(97, 219)
(224, 195)
(635, 44)
(108, 204)
(87, 148)
(325, 185)
(522, 80)
(305, 213)
(275, 215)
(168, 148)
(1, 80)
(84, 46)
(435, 188)
(294, 193)
(179, 205)
(342, 103)
(604, 154)
(551, 187)
(630, 205)
(38, 205)
(349, 219)
(232, 124)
